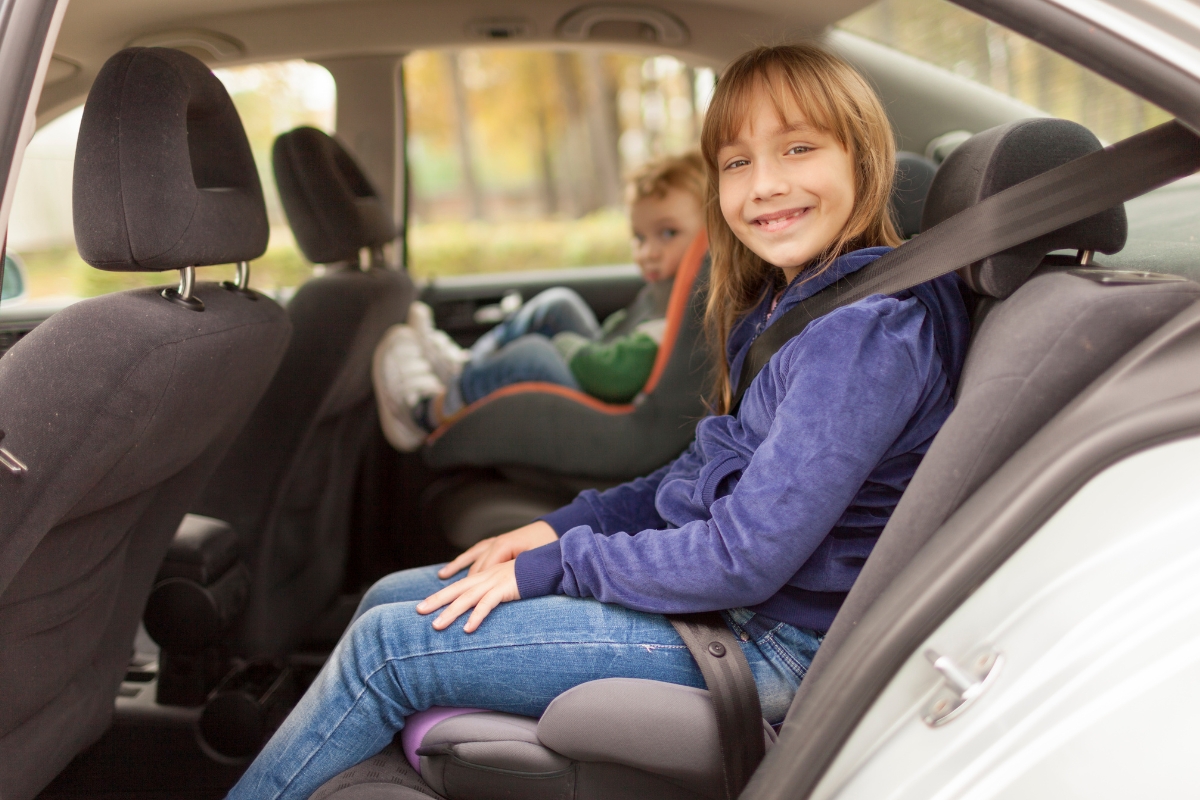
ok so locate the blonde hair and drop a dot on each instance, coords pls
(657, 177)
(834, 98)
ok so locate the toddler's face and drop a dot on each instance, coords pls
(787, 190)
(663, 227)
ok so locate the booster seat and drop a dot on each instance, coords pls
(1042, 342)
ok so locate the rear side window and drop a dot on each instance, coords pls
(950, 37)
(517, 157)
(271, 98)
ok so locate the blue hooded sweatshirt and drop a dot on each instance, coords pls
(776, 509)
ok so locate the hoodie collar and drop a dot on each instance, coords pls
(801, 288)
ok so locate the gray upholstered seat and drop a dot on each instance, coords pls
(1032, 353)
(121, 406)
(287, 485)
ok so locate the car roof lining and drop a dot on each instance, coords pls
(272, 30)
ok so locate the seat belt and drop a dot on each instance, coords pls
(1044, 203)
(1054, 199)
(734, 695)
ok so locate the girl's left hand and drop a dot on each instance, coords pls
(482, 591)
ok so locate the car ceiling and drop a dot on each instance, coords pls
(229, 32)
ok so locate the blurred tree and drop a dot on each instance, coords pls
(955, 39)
(462, 121)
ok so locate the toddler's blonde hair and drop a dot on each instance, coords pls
(657, 177)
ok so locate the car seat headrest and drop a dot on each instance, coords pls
(333, 209)
(164, 177)
(1004, 156)
(910, 187)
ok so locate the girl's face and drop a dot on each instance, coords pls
(787, 189)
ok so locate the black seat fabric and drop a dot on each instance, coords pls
(121, 406)
(287, 485)
(333, 209)
(1031, 354)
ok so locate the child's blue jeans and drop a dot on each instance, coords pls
(519, 349)
(391, 663)
(552, 311)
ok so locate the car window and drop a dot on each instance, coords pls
(271, 98)
(953, 38)
(517, 157)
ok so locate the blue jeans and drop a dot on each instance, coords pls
(391, 663)
(530, 358)
(550, 312)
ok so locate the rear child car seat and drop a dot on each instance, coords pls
(1032, 353)
(287, 485)
(565, 431)
(121, 406)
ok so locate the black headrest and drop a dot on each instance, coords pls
(1002, 157)
(914, 175)
(333, 209)
(164, 177)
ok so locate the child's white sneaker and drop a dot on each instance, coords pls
(404, 383)
(443, 354)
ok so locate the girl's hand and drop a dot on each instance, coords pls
(499, 549)
(482, 591)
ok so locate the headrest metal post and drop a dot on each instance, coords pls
(1085, 257)
(377, 259)
(183, 295)
(241, 282)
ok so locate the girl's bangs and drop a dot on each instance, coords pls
(790, 89)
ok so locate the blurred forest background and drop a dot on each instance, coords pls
(961, 42)
(517, 157)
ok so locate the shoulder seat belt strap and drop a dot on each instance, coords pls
(1044, 203)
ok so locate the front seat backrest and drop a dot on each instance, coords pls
(287, 485)
(121, 406)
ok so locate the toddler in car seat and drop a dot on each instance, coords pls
(767, 517)
(422, 377)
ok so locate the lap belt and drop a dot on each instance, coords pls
(734, 695)
(1054, 199)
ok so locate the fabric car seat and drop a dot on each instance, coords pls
(1038, 345)
(120, 407)
(287, 484)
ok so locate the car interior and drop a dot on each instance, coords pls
(184, 542)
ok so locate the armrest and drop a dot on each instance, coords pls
(202, 551)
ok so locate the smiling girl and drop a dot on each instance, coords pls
(768, 516)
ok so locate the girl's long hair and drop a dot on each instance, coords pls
(833, 97)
